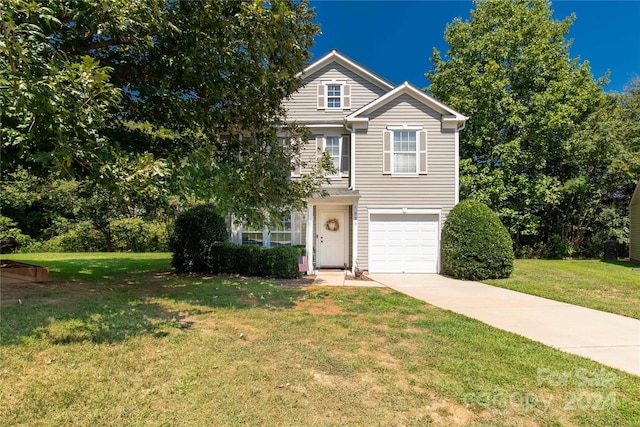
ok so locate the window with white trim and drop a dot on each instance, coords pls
(332, 146)
(404, 150)
(405, 153)
(252, 237)
(339, 149)
(278, 235)
(334, 95)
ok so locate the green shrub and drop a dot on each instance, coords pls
(475, 244)
(138, 235)
(249, 260)
(558, 248)
(219, 258)
(195, 231)
(128, 234)
(11, 237)
(280, 262)
(79, 237)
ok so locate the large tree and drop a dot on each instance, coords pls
(508, 67)
(188, 91)
(602, 169)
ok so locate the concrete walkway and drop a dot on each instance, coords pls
(607, 338)
(339, 278)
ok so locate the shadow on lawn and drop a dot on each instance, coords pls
(114, 310)
(98, 269)
(624, 263)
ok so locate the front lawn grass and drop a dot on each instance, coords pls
(152, 348)
(608, 286)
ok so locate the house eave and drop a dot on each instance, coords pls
(336, 196)
(450, 116)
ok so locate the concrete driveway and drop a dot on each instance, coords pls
(607, 338)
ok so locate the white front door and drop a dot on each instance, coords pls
(331, 244)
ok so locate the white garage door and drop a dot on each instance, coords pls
(403, 243)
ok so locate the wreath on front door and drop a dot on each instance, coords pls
(332, 225)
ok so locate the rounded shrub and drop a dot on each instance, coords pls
(475, 244)
(195, 231)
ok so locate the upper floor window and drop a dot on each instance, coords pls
(334, 95)
(405, 159)
(332, 146)
(404, 150)
(339, 149)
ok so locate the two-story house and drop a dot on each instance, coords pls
(396, 152)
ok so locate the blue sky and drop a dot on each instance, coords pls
(395, 38)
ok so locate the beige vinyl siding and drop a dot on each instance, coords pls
(634, 227)
(303, 105)
(434, 190)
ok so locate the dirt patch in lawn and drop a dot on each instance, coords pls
(318, 306)
(300, 281)
(445, 412)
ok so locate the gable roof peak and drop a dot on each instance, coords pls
(335, 56)
(449, 114)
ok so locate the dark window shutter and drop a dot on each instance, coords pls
(345, 161)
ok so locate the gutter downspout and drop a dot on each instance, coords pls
(457, 162)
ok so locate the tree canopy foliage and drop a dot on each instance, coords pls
(542, 136)
(184, 94)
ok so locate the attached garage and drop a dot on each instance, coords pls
(406, 242)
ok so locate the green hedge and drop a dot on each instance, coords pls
(199, 246)
(248, 260)
(475, 244)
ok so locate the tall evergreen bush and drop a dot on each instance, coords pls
(475, 244)
(195, 232)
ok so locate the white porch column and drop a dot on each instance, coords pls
(354, 234)
(310, 239)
